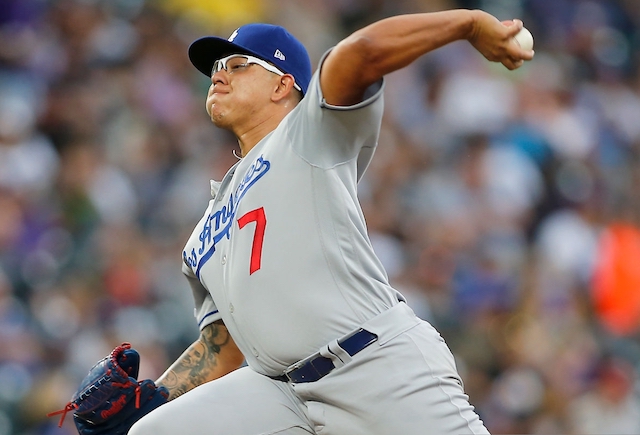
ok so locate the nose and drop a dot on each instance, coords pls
(217, 77)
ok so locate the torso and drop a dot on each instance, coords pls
(283, 251)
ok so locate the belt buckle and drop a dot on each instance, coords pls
(295, 366)
(291, 369)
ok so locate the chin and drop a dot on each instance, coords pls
(219, 120)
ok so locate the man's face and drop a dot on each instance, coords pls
(239, 89)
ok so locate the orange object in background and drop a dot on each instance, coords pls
(616, 279)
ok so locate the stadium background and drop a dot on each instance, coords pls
(504, 205)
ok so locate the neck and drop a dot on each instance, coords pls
(249, 136)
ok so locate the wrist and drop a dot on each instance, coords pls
(472, 24)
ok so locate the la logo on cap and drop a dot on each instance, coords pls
(233, 35)
(278, 55)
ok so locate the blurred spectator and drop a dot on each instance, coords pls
(611, 406)
(616, 286)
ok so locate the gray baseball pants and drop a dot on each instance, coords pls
(405, 383)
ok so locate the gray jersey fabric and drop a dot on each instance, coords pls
(318, 277)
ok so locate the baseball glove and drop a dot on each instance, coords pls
(110, 399)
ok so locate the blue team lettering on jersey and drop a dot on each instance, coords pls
(217, 224)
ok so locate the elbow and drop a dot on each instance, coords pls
(236, 359)
(358, 45)
(231, 356)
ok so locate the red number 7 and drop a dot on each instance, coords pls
(260, 219)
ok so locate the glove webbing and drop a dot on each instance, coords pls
(72, 405)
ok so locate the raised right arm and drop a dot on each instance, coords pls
(212, 355)
(387, 45)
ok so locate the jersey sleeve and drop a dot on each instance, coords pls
(326, 135)
(205, 311)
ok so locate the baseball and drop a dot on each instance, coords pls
(525, 39)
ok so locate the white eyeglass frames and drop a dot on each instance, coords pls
(238, 62)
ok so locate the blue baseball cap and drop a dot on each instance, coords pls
(268, 42)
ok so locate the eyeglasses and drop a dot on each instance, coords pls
(239, 62)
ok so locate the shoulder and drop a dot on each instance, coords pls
(319, 93)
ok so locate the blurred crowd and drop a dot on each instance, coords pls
(504, 205)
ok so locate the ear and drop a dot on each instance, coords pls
(284, 88)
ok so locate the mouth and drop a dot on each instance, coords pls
(216, 94)
(219, 88)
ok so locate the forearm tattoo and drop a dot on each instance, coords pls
(198, 363)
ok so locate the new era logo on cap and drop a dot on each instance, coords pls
(266, 41)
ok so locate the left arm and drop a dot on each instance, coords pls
(212, 355)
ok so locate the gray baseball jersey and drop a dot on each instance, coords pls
(282, 253)
(282, 256)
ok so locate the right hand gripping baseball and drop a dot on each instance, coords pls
(110, 399)
(494, 40)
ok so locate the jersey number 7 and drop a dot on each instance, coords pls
(260, 219)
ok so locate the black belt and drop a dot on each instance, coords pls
(318, 366)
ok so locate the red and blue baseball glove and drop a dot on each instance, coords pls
(110, 399)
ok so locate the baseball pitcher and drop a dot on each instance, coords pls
(282, 271)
